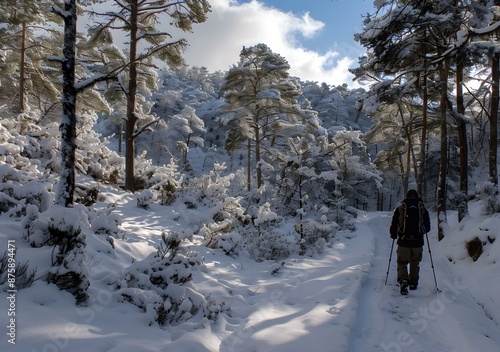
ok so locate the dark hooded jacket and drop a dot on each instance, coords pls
(409, 229)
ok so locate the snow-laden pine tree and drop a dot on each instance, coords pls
(22, 49)
(261, 106)
(197, 88)
(141, 19)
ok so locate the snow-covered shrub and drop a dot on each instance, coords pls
(314, 235)
(7, 202)
(151, 176)
(226, 216)
(106, 224)
(61, 227)
(18, 196)
(210, 187)
(266, 241)
(145, 198)
(270, 244)
(69, 267)
(93, 157)
(28, 143)
(162, 181)
(32, 214)
(220, 236)
(166, 192)
(342, 214)
(161, 285)
(70, 271)
(488, 195)
(19, 174)
(265, 215)
(315, 229)
(46, 228)
(169, 246)
(23, 277)
(35, 228)
(86, 196)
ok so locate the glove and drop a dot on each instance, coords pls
(395, 236)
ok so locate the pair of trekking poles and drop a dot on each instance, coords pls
(430, 254)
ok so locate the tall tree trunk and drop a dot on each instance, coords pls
(257, 151)
(443, 162)
(493, 144)
(120, 136)
(402, 170)
(66, 187)
(408, 131)
(249, 164)
(422, 187)
(462, 140)
(406, 167)
(130, 183)
(22, 78)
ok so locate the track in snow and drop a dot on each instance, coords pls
(450, 321)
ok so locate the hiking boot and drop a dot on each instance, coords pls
(403, 287)
(413, 286)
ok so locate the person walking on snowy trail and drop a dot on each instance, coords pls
(410, 222)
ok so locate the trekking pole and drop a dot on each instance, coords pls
(432, 263)
(389, 265)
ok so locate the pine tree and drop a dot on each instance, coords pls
(139, 18)
(22, 47)
(261, 103)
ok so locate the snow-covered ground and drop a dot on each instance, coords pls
(336, 301)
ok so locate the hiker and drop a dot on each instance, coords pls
(410, 222)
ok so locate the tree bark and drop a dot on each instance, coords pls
(443, 162)
(120, 136)
(67, 127)
(422, 189)
(257, 150)
(249, 164)
(130, 183)
(22, 65)
(462, 140)
(493, 144)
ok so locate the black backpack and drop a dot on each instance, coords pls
(411, 217)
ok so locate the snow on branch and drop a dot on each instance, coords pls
(143, 128)
(486, 30)
(80, 86)
(153, 34)
(463, 37)
(56, 58)
(57, 10)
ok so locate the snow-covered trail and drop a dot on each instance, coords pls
(338, 302)
(448, 321)
(335, 301)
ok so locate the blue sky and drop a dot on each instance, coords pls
(342, 19)
(315, 36)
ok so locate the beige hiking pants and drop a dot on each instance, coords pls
(412, 257)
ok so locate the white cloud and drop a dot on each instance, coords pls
(217, 43)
